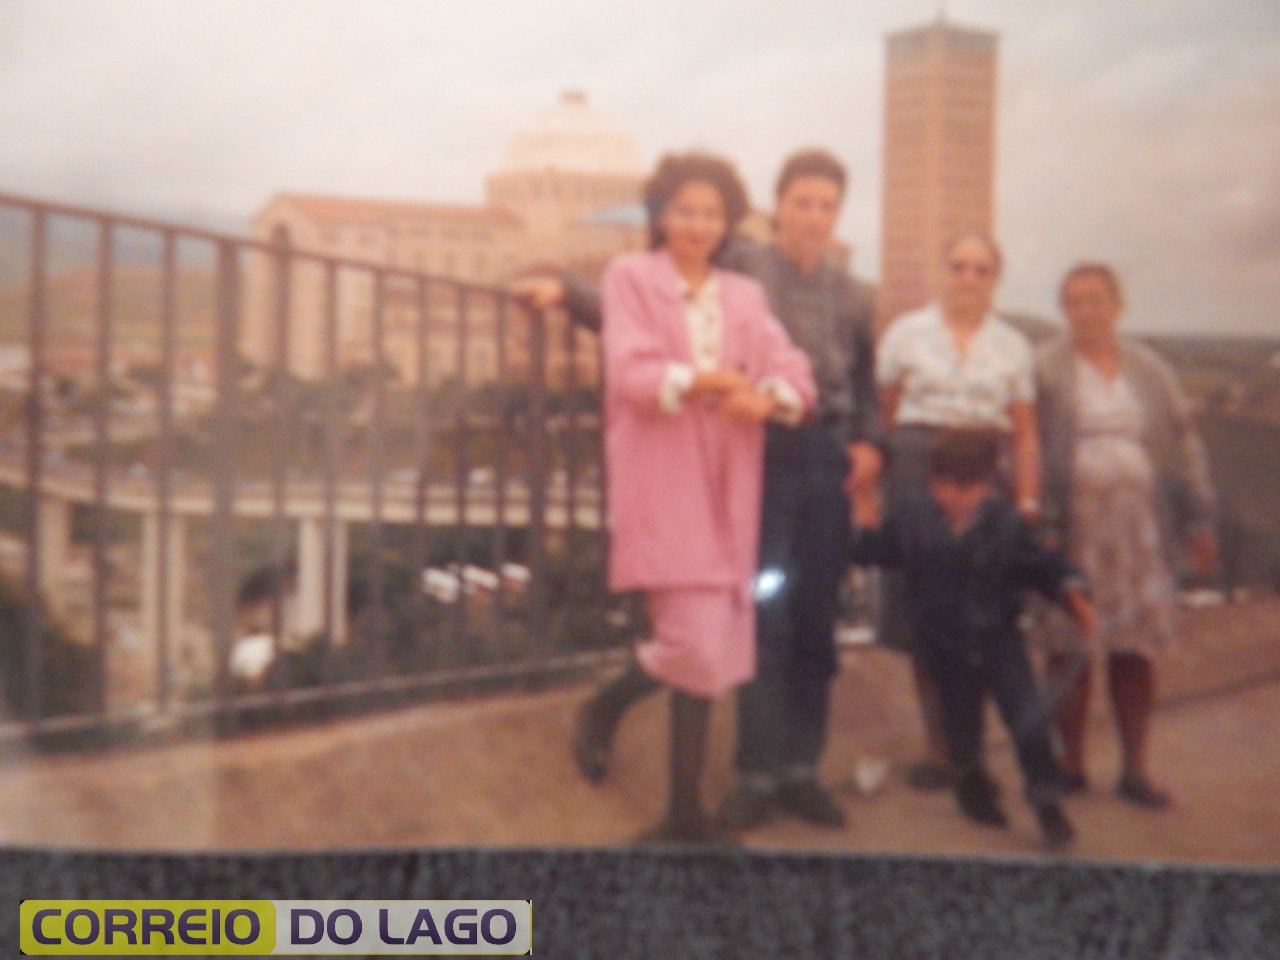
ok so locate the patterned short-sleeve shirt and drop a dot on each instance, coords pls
(942, 387)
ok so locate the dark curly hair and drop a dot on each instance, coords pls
(674, 171)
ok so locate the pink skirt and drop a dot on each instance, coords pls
(703, 639)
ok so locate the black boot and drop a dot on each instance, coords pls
(598, 720)
(979, 798)
(1054, 826)
(686, 821)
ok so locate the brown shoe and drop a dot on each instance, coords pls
(1054, 826)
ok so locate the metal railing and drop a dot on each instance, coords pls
(237, 474)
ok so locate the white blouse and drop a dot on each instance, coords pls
(942, 387)
(1109, 446)
(704, 320)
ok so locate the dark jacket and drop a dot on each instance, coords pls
(967, 589)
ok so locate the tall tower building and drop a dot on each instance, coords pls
(939, 154)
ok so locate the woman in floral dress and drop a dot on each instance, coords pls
(1127, 492)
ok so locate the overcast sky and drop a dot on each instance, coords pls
(1143, 132)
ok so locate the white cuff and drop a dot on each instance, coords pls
(790, 404)
(677, 382)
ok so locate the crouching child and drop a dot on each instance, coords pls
(968, 564)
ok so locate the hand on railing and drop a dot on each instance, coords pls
(538, 292)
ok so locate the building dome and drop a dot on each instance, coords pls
(571, 136)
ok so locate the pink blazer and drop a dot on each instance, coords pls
(684, 488)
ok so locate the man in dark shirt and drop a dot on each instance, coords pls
(783, 713)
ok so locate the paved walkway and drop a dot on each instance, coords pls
(497, 772)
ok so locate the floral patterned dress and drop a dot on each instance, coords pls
(1114, 533)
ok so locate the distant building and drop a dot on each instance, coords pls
(939, 154)
(565, 195)
(574, 179)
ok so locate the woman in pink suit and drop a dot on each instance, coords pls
(694, 366)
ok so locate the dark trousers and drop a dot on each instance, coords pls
(1005, 673)
(782, 714)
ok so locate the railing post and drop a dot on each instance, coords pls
(378, 620)
(312, 577)
(569, 431)
(222, 534)
(55, 540)
(282, 398)
(422, 445)
(164, 575)
(539, 574)
(329, 455)
(170, 531)
(102, 441)
(36, 617)
(462, 469)
(502, 470)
